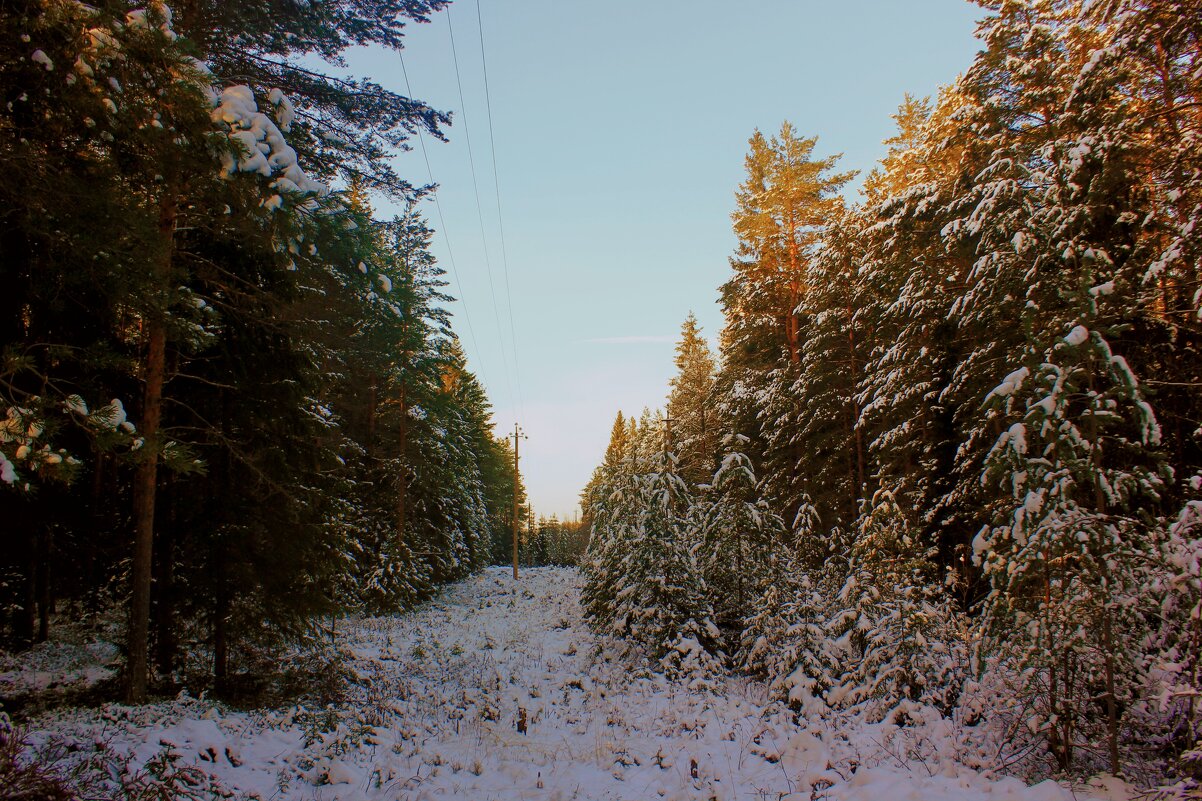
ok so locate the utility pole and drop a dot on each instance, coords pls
(517, 437)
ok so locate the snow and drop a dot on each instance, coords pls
(1077, 336)
(8, 472)
(495, 690)
(980, 544)
(1011, 383)
(260, 143)
(19, 426)
(113, 415)
(40, 57)
(1015, 436)
(142, 18)
(58, 667)
(285, 112)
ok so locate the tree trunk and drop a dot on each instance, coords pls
(164, 610)
(146, 476)
(793, 324)
(25, 617)
(402, 478)
(372, 401)
(1112, 713)
(98, 520)
(221, 647)
(42, 582)
(854, 381)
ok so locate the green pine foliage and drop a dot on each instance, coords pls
(323, 448)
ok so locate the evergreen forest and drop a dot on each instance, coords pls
(946, 459)
(234, 404)
(923, 519)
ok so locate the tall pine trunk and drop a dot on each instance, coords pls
(146, 476)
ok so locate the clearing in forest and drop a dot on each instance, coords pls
(497, 690)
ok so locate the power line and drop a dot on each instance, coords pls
(492, 142)
(479, 206)
(446, 235)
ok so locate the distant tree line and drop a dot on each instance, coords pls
(948, 458)
(550, 541)
(231, 401)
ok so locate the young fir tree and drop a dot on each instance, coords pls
(738, 535)
(592, 497)
(642, 582)
(1171, 674)
(661, 601)
(784, 639)
(609, 505)
(905, 645)
(1065, 562)
(690, 405)
(612, 510)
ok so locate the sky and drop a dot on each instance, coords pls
(619, 131)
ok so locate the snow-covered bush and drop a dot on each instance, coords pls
(1166, 719)
(871, 631)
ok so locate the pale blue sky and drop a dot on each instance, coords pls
(620, 132)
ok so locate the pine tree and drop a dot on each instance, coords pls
(350, 125)
(783, 210)
(818, 415)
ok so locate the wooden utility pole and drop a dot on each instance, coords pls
(517, 437)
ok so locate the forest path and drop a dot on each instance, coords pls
(435, 700)
(463, 673)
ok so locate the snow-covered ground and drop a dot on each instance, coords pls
(497, 690)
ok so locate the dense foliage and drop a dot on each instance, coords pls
(208, 352)
(951, 459)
